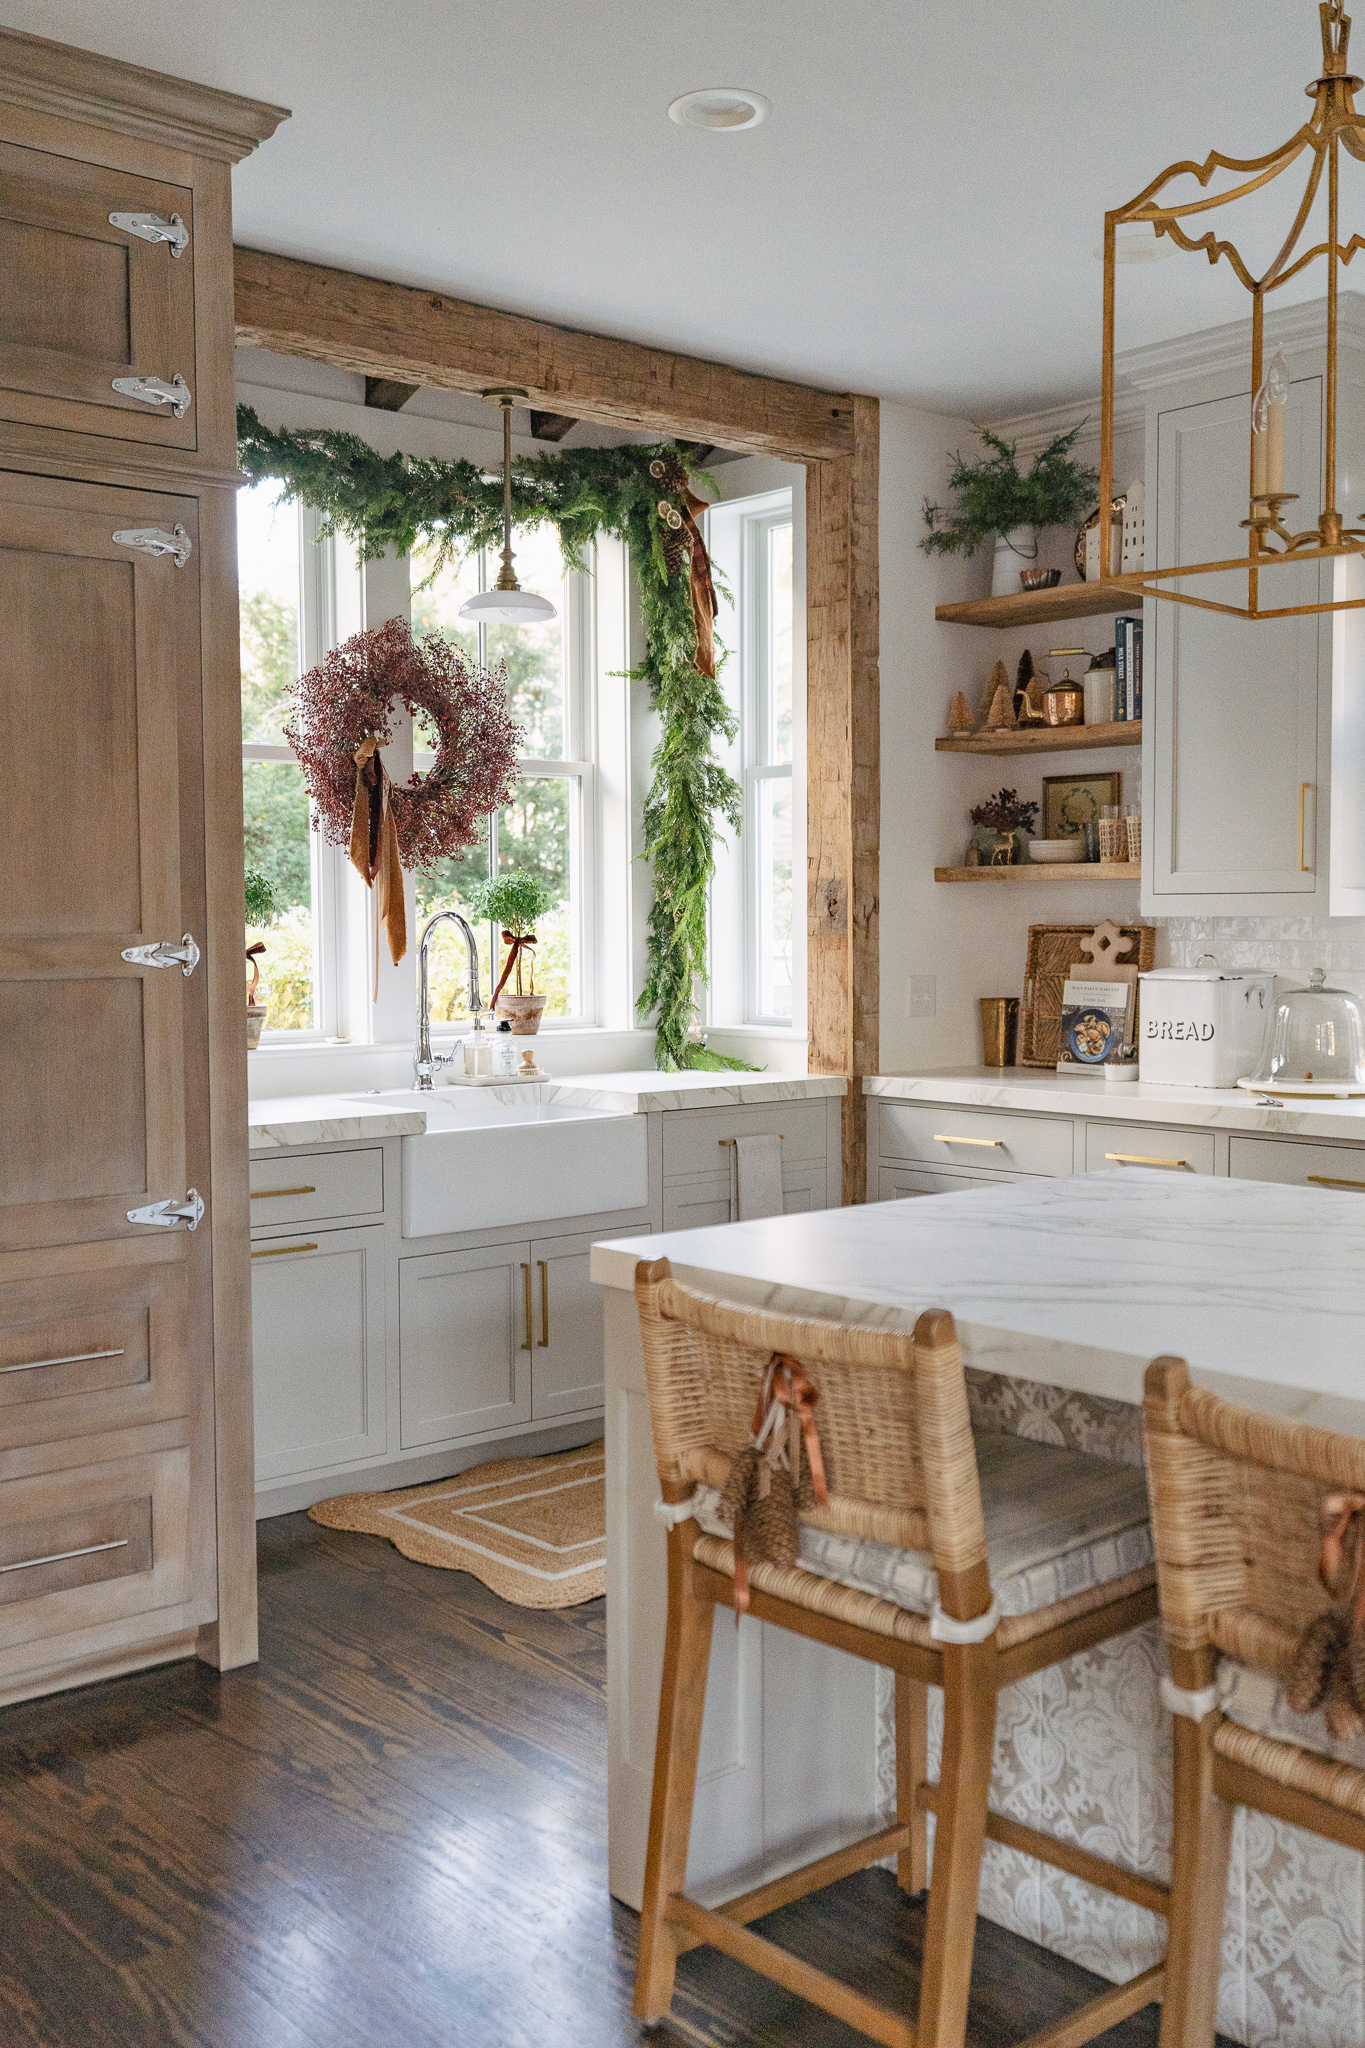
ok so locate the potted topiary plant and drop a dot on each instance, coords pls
(994, 500)
(261, 905)
(515, 902)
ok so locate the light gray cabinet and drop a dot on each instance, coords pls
(317, 1306)
(566, 1358)
(465, 1322)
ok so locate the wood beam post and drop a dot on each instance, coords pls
(843, 775)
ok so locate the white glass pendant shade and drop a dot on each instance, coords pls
(507, 608)
(507, 604)
(1317, 1045)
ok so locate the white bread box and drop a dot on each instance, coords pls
(1202, 1027)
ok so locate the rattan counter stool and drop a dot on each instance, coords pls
(1236, 1501)
(908, 1516)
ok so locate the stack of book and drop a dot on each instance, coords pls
(1128, 668)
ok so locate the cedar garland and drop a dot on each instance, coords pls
(400, 501)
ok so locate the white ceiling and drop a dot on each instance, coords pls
(916, 218)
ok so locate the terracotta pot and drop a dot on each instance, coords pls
(255, 1019)
(522, 1012)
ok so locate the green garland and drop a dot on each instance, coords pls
(396, 500)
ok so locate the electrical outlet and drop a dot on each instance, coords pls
(923, 995)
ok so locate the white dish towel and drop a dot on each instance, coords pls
(757, 1186)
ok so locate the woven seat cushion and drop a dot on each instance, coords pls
(1256, 1700)
(1057, 1523)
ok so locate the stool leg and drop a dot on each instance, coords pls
(912, 1764)
(1199, 1889)
(959, 1837)
(682, 1700)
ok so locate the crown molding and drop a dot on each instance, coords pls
(53, 78)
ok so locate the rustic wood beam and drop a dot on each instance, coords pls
(423, 337)
(843, 771)
(386, 395)
(551, 426)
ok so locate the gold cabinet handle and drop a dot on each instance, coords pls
(274, 1194)
(1140, 1159)
(1304, 788)
(991, 1144)
(526, 1283)
(732, 1141)
(1322, 1180)
(544, 1303)
(282, 1251)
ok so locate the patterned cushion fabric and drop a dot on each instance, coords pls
(1256, 1700)
(1057, 1523)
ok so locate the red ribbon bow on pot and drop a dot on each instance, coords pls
(519, 942)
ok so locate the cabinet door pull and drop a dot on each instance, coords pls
(154, 540)
(1322, 1180)
(544, 1303)
(156, 391)
(731, 1142)
(72, 1358)
(1304, 788)
(276, 1194)
(991, 1144)
(61, 1556)
(1140, 1159)
(151, 227)
(526, 1283)
(282, 1251)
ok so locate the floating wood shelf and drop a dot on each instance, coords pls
(1039, 607)
(1047, 871)
(1044, 739)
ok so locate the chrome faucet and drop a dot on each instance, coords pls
(424, 1065)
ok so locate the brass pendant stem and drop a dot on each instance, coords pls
(506, 575)
(1330, 516)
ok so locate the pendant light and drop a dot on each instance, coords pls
(507, 604)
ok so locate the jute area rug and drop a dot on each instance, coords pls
(533, 1529)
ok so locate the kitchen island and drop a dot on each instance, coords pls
(1063, 1290)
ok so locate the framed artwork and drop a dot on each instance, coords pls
(1070, 802)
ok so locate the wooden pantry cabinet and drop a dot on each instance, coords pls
(125, 1394)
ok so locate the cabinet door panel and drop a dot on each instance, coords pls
(1234, 716)
(86, 301)
(566, 1369)
(466, 1321)
(318, 1343)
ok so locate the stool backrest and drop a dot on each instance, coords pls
(1236, 1499)
(893, 1420)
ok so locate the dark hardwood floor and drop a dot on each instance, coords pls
(388, 1834)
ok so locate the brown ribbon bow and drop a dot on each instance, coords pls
(374, 850)
(785, 1386)
(518, 943)
(1343, 1509)
(702, 588)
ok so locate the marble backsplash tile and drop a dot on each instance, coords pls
(1289, 946)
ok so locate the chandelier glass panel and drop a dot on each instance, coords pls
(1315, 148)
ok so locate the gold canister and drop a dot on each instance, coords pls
(1064, 702)
(999, 1030)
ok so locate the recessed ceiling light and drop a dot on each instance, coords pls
(720, 106)
(1134, 242)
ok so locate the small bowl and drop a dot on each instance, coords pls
(1055, 852)
(1039, 579)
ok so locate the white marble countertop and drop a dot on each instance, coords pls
(1051, 1094)
(1077, 1282)
(329, 1119)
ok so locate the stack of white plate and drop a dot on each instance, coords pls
(1056, 850)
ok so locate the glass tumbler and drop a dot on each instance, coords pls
(1133, 827)
(1113, 833)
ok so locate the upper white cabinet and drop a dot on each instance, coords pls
(1238, 715)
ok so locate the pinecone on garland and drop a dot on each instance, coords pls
(668, 471)
(676, 549)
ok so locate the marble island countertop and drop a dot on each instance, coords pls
(273, 1122)
(1078, 1282)
(1052, 1094)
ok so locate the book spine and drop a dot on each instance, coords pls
(1120, 674)
(1137, 668)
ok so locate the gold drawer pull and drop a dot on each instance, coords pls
(758, 1134)
(1139, 1159)
(1317, 1180)
(526, 1279)
(1304, 788)
(274, 1194)
(282, 1251)
(544, 1266)
(61, 1556)
(991, 1144)
(72, 1358)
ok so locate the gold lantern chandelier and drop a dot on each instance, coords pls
(1334, 125)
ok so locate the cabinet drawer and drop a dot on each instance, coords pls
(289, 1191)
(895, 1183)
(1111, 1145)
(693, 1137)
(95, 1350)
(975, 1137)
(1298, 1163)
(86, 302)
(691, 1204)
(93, 1544)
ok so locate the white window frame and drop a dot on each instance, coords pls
(756, 718)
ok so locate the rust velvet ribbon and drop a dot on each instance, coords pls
(374, 849)
(519, 942)
(1343, 1508)
(785, 1386)
(702, 588)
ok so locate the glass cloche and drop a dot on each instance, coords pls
(1317, 1044)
